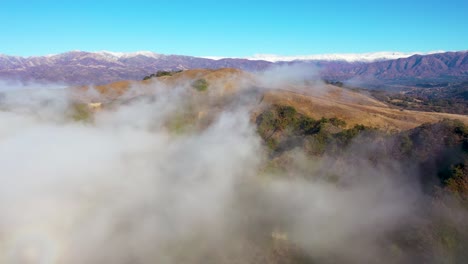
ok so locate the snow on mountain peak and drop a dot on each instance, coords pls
(349, 57)
(120, 55)
(109, 55)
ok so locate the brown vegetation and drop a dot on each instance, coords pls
(316, 102)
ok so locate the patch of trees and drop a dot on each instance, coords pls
(200, 85)
(439, 151)
(434, 157)
(283, 128)
(437, 97)
(161, 74)
(335, 83)
(449, 99)
(80, 112)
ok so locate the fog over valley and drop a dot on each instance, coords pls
(176, 170)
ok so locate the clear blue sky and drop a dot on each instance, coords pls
(232, 28)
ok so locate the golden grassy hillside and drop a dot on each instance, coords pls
(314, 100)
(354, 108)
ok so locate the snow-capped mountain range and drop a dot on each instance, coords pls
(80, 67)
(348, 57)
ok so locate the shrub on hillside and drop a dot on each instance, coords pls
(200, 85)
(161, 74)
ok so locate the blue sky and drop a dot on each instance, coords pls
(236, 28)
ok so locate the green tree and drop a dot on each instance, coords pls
(200, 85)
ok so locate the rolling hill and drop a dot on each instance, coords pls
(315, 100)
(234, 167)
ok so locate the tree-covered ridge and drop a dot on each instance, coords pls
(431, 158)
(439, 151)
(161, 74)
(282, 128)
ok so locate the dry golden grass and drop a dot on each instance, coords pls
(315, 100)
(226, 80)
(354, 108)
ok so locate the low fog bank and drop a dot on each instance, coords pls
(160, 178)
(278, 76)
(9, 85)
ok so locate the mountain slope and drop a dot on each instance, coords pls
(313, 100)
(348, 57)
(442, 66)
(80, 68)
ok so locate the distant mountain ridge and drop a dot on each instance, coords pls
(348, 57)
(440, 67)
(79, 67)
